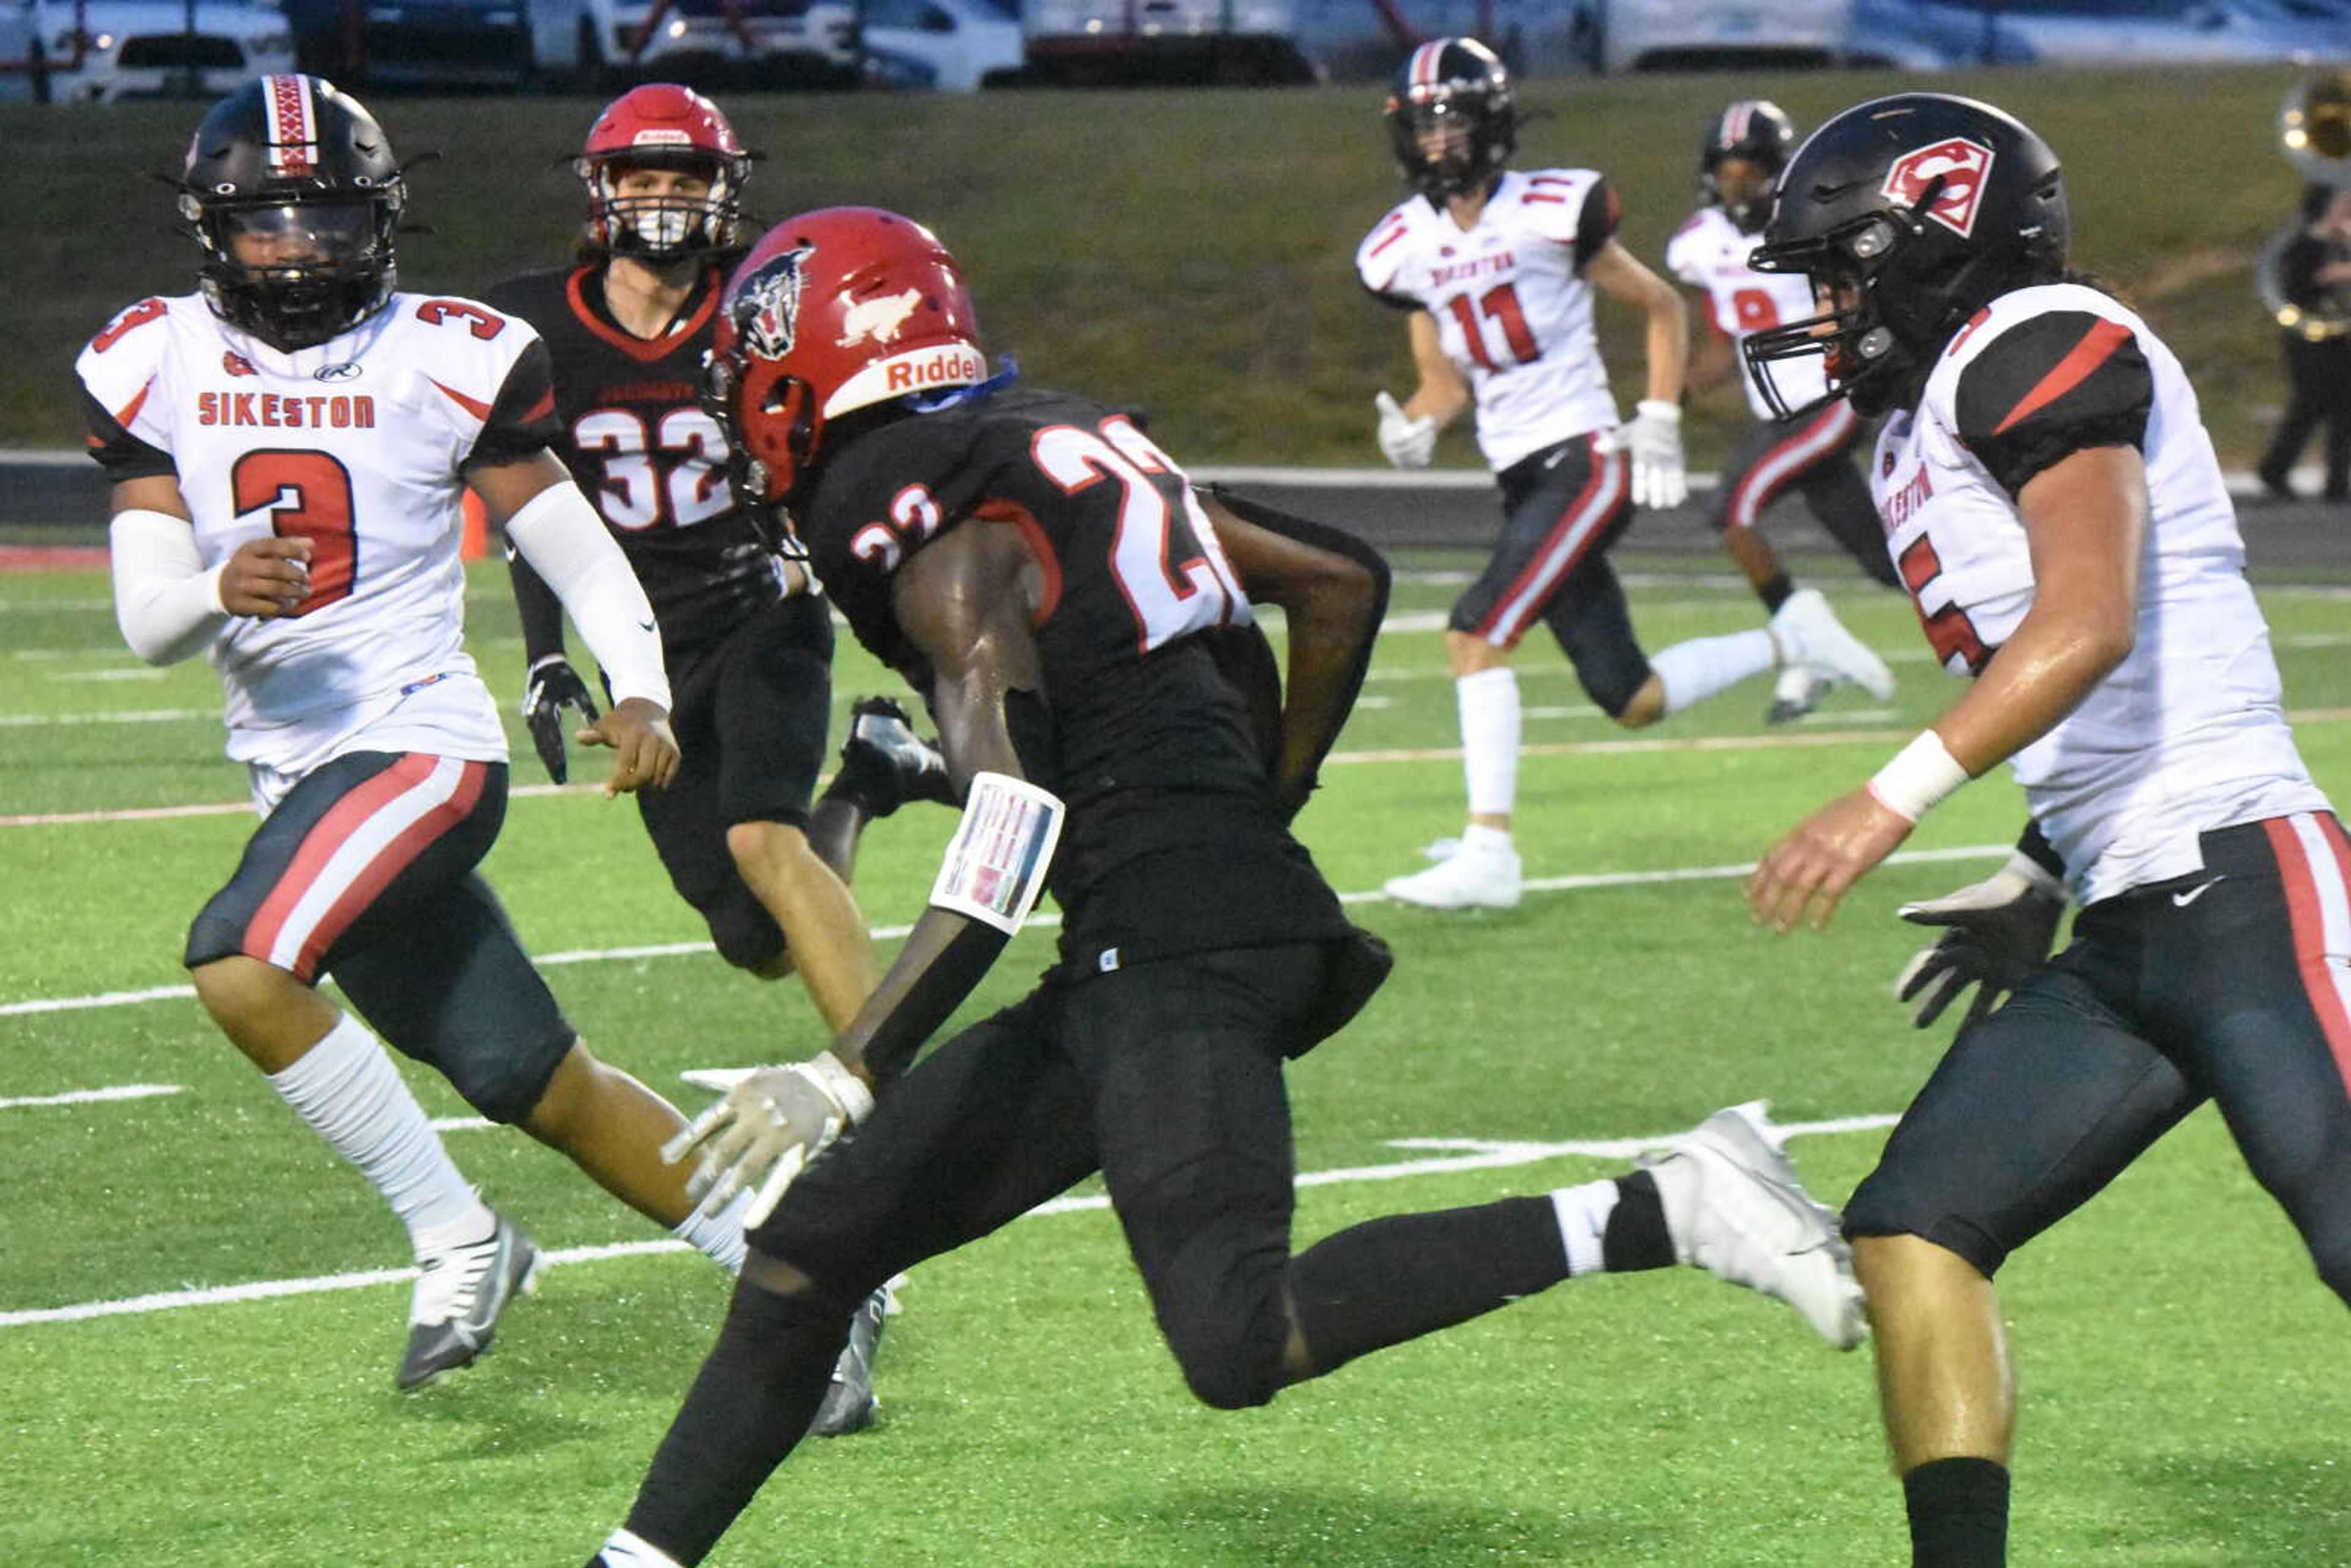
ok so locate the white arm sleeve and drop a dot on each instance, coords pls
(566, 543)
(167, 604)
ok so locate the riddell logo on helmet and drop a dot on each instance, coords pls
(941, 367)
(1962, 165)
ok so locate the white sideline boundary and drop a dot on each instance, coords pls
(1045, 919)
(1466, 1155)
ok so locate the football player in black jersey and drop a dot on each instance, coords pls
(2052, 497)
(1080, 620)
(747, 638)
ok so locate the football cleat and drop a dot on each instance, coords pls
(460, 1293)
(1794, 693)
(850, 1403)
(884, 764)
(1734, 1208)
(1474, 876)
(1810, 634)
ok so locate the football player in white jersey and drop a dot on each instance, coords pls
(1498, 269)
(1810, 452)
(287, 448)
(2052, 501)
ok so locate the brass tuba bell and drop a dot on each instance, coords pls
(2314, 131)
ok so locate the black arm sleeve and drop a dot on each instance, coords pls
(522, 420)
(2058, 384)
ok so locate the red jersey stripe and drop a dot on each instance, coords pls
(2096, 346)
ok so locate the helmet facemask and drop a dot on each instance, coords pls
(297, 270)
(662, 226)
(1859, 348)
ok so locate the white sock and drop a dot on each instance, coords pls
(347, 1089)
(1489, 703)
(1694, 671)
(719, 1237)
(1476, 836)
(1584, 1214)
(627, 1549)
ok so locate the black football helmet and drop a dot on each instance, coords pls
(1452, 92)
(1910, 214)
(1759, 132)
(294, 192)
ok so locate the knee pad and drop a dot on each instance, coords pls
(500, 1083)
(1611, 687)
(1229, 1370)
(1880, 1208)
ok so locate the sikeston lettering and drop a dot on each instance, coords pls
(282, 411)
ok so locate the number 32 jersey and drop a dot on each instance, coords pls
(2189, 733)
(1512, 309)
(357, 445)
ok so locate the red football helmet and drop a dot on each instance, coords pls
(662, 126)
(835, 310)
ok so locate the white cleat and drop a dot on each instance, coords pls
(1735, 1209)
(460, 1295)
(1810, 634)
(1795, 693)
(1471, 878)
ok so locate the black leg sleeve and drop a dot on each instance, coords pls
(757, 1394)
(1388, 1281)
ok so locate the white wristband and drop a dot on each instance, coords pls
(1658, 409)
(848, 1091)
(1919, 779)
(995, 866)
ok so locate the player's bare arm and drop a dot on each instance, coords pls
(1332, 599)
(2085, 519)
(1442, 394)
(963, 601)
(1624, 278)
(534, 499)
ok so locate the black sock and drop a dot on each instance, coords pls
(1959, 1514)
(757, 1394)
(1636, 1236)
(1387, 1280)
(1775, 592)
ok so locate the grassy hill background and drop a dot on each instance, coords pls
(1188, 251)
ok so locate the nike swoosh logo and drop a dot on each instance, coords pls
(644, 625)
(2183, 900)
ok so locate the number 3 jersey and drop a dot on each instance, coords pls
(1512, 309)
(358, 445)
(1170, 844)
(2189, 733)
(634, 434)
(1709, 251)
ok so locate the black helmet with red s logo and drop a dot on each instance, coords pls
(1912, 213)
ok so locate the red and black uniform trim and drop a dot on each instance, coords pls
(2059, 383)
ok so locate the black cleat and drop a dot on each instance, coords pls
(459, 1296)
(884, 764)
(849, 1404)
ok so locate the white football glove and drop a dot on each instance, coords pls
(1409, 442)
(766, 1129)
(1997, 932)
(1654, 442)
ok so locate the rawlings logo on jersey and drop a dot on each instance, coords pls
(878, 321)
(1961, 164)
(768, 309)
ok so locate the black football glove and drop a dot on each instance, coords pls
(554, 687)
(1996, 933)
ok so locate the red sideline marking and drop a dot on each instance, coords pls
(51, 558)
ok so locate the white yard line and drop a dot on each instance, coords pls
(1467, 1154)
(89, 1096)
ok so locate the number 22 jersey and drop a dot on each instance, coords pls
(357, 445)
